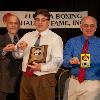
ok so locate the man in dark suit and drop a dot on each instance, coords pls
(9, 66)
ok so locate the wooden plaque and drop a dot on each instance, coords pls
(38, 54)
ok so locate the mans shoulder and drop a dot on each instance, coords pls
(54, 35)
(97, 40)
(3, 36)
(75, 39)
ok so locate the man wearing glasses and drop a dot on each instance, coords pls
(38, 79)
(82, 55)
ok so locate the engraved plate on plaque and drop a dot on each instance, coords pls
(38, 54)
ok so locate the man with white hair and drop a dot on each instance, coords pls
(9, 66)
(84, 82)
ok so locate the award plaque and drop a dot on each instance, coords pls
(38, 54)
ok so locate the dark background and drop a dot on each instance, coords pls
(92, 6)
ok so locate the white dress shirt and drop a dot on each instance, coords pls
(54, 57)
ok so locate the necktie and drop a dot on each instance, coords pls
(15, 39)
(81, 74)
(29, 71)
(37, 41)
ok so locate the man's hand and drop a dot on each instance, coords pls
(74, 60)
(22, 45)
(35, 66)
(9, 48)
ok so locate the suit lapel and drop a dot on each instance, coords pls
(7, 39)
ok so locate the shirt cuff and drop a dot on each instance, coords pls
(44, 68)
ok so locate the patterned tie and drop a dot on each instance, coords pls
(15, 39)
(81, 74)
(29, 71)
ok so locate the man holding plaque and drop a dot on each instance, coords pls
(42, 52)
(82, 56)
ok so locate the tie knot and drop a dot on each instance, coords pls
(39, 35)
(86, 41)
(38, 40)
(85, 46)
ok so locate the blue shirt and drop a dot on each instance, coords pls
(73, 48)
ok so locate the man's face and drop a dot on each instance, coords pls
(88, 27)
(41, 23)
(13, 24)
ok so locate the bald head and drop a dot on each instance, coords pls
(7, 16)
(12, 23)
(86, 18)
(88, 26)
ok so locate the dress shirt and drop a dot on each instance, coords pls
(12, 37)
(73, 48)
(54, 57)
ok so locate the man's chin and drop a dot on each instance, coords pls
(89, 34)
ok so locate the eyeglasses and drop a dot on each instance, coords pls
(87, 25)
(41, 20)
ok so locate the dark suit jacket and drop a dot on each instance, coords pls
(8, 67)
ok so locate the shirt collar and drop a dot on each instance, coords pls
(12, 36)
(91, 39)
(42, 33)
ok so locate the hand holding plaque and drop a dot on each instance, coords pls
(38, 54)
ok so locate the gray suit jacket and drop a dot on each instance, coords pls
(8, 67)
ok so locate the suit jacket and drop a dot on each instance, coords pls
(8, 67)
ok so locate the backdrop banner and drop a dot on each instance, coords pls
(58, 19)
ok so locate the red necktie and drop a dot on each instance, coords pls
(81, 74)
(29, 71)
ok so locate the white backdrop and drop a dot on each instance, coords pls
(58, 19)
